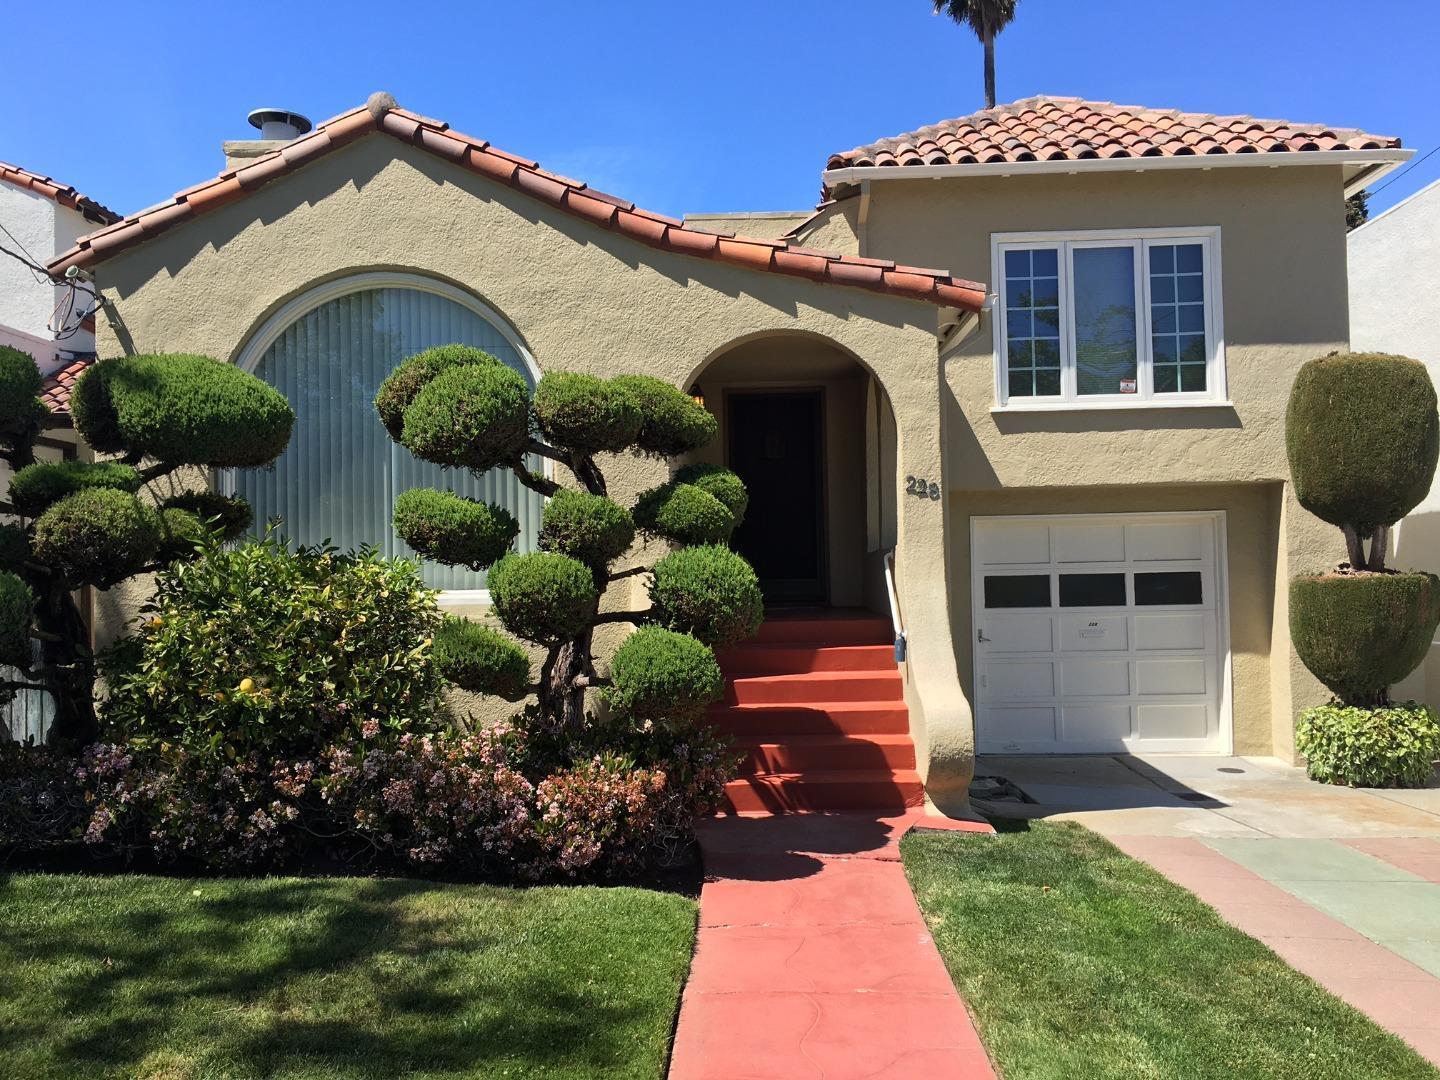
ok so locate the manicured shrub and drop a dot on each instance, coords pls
(181, 409)
(180, 533)
(660, 674)
(400, 388)
(97, 536)
(720, 482)
(20, 382)
(35, 488)
(1388, 747)
(590, 528)
(476, 416)
(453, 529)
(17, 603)
(543, 597)
(228, 515)
(674, 424)
(585, 414)
(258, 650)
(1362, 436)
(1361, 633)
(480, 659)
(708, 592)
(683, 514)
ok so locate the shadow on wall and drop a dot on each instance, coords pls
(1416, 543)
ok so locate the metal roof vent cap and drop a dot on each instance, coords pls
(279, 125)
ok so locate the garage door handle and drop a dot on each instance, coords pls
(980, 636)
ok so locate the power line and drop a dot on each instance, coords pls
(1405, 170)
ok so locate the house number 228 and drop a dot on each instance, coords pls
(919, 486)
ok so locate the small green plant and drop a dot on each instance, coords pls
(1396, 746)
(461, 407)
(260, 650)
(95, 524)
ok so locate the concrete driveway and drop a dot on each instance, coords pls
(1343, 883)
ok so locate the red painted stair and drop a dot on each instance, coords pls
(816, 704)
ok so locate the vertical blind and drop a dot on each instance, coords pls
(338, 478)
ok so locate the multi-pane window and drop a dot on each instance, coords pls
(1107, 318)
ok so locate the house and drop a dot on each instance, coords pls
(1395, 307)
(1079, 467)
(39, 218)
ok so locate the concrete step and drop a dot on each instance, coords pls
(802, 753)
(862, 629)
(809, 792)
(778, 659)
(871, 686)
(811, 718)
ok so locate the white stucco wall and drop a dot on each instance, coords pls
(44, 229)
(1395, 308)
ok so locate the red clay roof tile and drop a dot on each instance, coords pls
(1061, 128)
(55, 391)
(57, 192)
(657, 230)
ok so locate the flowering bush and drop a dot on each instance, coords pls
(512, 800)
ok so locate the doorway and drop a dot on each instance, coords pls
(775, 441)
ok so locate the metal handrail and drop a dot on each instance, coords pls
(895, 621)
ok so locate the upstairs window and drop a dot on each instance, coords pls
(1104, 319)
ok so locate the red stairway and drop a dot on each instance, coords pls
(816, 703)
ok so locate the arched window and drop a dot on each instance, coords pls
(327, 352)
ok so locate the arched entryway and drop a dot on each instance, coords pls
(810, 431)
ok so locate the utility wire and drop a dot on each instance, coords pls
(1405, 170)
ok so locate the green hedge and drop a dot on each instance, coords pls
(543, 597)
(20, 383)
(683, 514)
(35, 488)
(14, 548)
(476, 416)
(229, 515)
(1362, 436)
(481, 660)
(1388, 747)
(661, 675)
(400, 387)
(709, 592)
(17, 608)
(454, 530)
(585, 414)
(1362, 633)
(98, 537)
(587, 527)
(181, 409)
(673, 423)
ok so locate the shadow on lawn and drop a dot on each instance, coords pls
(370, 978)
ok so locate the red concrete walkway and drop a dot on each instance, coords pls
(813, 960)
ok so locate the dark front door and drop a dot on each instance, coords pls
(775, 444)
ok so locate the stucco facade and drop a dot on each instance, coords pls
(907, 395)
(1395, 308)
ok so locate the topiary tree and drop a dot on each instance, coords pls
(83, 524)
(461, 407)
(1363, 435)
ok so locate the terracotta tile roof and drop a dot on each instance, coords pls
(63, 194)
(55, 391)
(436, 137)
(1069, 129)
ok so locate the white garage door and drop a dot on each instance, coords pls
(1099, 634)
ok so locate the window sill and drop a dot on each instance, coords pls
(1110, 406)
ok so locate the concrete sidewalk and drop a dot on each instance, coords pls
(1344, 884)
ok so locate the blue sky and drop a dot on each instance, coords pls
(679, 106)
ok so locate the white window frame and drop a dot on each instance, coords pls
(1141, 240)
(248, 357)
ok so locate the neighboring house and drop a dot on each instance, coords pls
(39, 218)
(1080, 467)
(1395, 308)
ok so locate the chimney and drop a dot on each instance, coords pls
(277, 127)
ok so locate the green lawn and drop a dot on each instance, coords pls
(335, 977)
(1079, 961)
